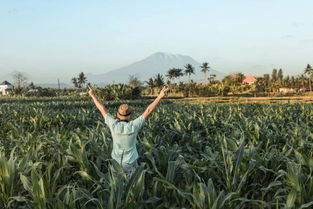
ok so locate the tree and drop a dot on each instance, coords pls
(31, 86)
(222, 89)
(159, 80)
(234, 81)
(171, 74)
(189, 69)
(133, 81)
(274, 80)
(20, 80)
(212, 78)
(151, 84)
(280, 76)
(274, 75)
(174, 73)
(75, 82)
(168, 82)
(309, 72)
(302, 80)
(266, 80)
(205, 69)
(287, 82)
(294, 83)
(81, 80)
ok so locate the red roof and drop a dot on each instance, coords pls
(249, 79)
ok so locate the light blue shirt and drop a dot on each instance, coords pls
(124, 136)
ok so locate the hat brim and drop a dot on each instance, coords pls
(122, 117)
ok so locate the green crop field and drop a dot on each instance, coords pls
(55, 153)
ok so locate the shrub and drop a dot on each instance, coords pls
(119, 92)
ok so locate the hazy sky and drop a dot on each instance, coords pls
(49, 39)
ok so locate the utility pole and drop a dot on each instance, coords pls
(59, 84)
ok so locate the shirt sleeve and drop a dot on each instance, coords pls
(139, 122)
(109, 120)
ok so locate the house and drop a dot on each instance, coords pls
(249, 80)
(6, 87)
(286, 90)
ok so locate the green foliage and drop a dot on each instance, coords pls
(174, 73)
(79, 81)
(119, 92)
(55, 153)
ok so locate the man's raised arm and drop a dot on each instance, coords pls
(154, 104)
(100, 107)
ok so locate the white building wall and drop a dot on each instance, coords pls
(4, 89)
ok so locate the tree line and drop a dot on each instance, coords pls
(232, 84)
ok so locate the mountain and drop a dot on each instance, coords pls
(144, 69)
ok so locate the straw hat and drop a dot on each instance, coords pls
(123, 112)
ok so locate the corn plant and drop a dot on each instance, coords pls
(55, 153)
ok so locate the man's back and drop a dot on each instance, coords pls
(124, 136)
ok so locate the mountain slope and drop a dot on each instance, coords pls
(156, 63)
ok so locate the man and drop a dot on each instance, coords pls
(124, 131)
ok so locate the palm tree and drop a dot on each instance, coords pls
(189, 69)
(74, 81)
(174, 73)
(309, 71)
(205, 69)
(151, 84)
(81, 80)
(159, 80)
(170, 74)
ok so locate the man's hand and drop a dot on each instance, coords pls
(163, 91)
(91, 92)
